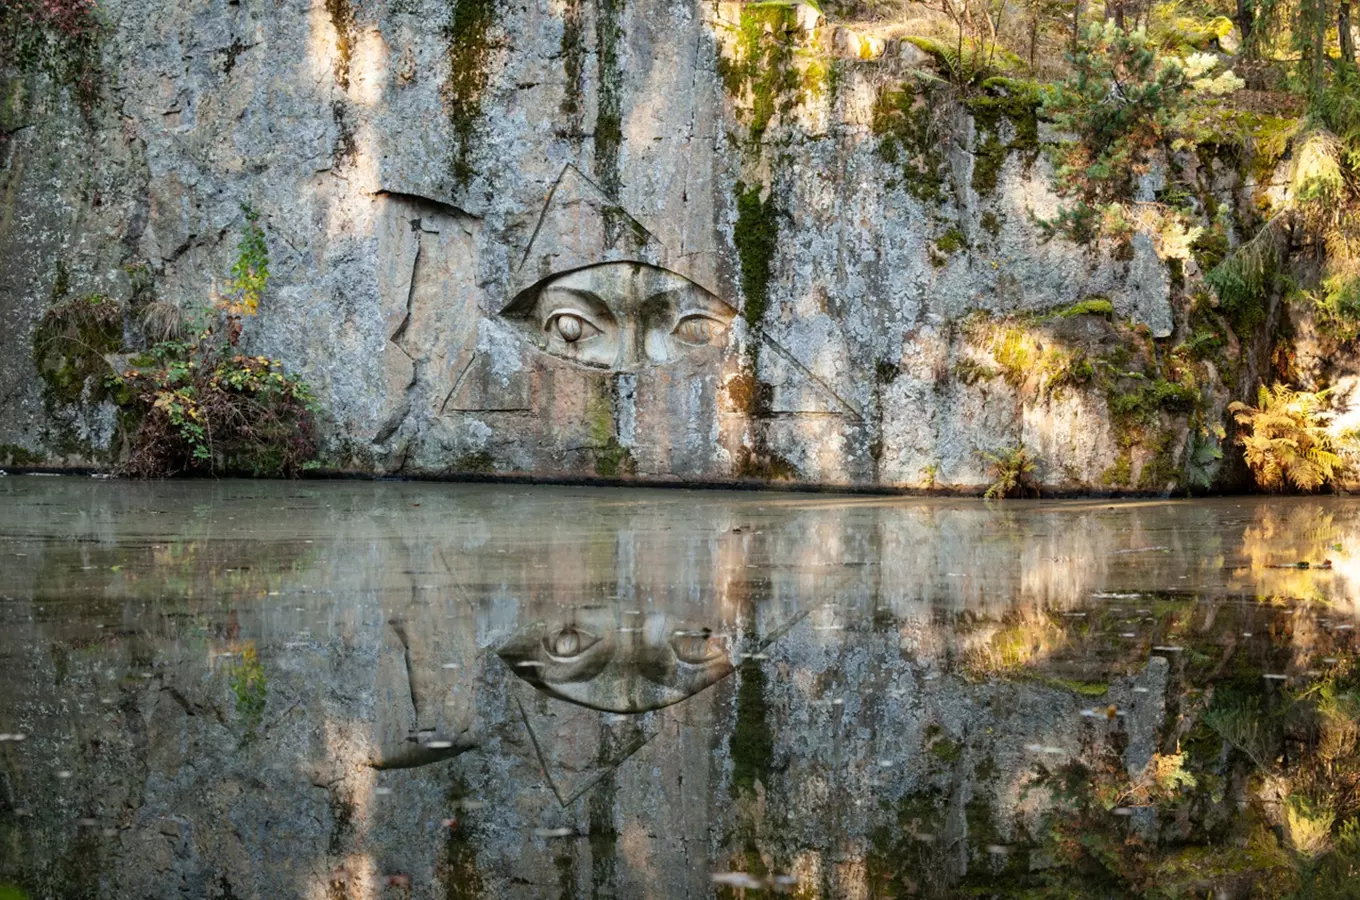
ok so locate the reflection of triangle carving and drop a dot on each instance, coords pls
(796, 389)
(581, 226)
(579, 747)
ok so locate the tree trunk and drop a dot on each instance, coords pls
(1033, 40)
(1343, 30)
(1076, 25)
(1246, 24)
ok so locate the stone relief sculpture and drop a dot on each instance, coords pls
(648, 662)
(622, 316)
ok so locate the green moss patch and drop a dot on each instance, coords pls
(762, 67)
(70, 346)
(1003, 100)
(468, 38)
(756, 236)
(911, 140)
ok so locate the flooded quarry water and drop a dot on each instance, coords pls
(358, 690)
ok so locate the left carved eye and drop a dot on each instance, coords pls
(568, 642)
(570, 327)
(699, 330)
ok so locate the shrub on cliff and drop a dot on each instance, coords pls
(1285, 441)
(203, 407)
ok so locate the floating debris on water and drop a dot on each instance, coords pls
(745, 880)
(552, 832)
(737, 880)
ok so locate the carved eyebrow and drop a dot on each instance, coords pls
(696, 302)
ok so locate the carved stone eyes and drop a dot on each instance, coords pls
(570, 328)
(567, 642)
(697, 330)
(696, 647)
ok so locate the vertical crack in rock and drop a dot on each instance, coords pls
(399, 628)
(609, 117)
(573, 68)
(400, 333)
(467, 34)
(342, 19)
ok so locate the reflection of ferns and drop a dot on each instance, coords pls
(1238, 720)
(1310, 825)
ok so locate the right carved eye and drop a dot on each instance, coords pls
(567, 642)
(699, 330)
(697, 647)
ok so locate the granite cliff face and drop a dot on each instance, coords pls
(694, 242)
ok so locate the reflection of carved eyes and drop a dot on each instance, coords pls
(570, 327)
(568, 642)
(696, 647)
(698, 329)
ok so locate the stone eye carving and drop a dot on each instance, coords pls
(621, 316)
(595, 661)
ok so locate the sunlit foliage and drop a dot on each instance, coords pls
(1285, 439)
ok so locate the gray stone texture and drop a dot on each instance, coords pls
(390, 266)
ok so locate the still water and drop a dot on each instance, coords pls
(352, 690)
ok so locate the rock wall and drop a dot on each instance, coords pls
(764, 235)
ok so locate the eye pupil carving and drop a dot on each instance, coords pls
(569, 327)
(569, 642)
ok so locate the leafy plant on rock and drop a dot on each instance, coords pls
(1285, 439)
(1122, 102)
(1013, 471)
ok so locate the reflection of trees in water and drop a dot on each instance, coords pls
(1283, 535)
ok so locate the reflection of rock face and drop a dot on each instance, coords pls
(834, 748)
(623, 316)
(644, 664)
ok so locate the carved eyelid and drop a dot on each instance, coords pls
(588, 318)
(699, 314)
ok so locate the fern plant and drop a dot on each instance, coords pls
(1013, 473)
(1285, 440)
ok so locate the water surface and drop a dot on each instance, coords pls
(239, 689)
